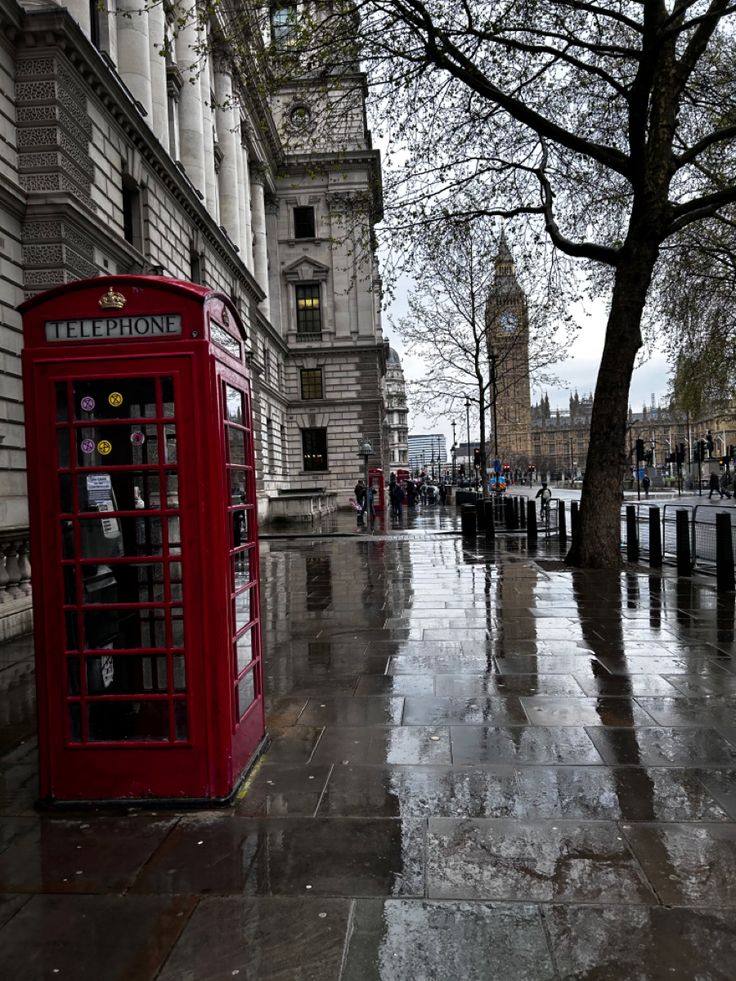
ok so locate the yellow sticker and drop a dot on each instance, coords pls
(115, 399)
(104, 447)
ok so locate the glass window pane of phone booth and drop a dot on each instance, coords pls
(244, 611)
(119, 494)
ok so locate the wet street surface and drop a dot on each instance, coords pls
(482, 766)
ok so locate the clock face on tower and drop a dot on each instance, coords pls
(507, 322)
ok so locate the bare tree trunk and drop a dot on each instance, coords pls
(597, 544)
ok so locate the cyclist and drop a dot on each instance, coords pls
(546, 494)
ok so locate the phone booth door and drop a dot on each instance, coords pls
(121, 521)
(246, 678)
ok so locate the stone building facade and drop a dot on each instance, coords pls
(139, 139)
(397, 442)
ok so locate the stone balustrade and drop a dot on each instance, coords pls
(15, 583)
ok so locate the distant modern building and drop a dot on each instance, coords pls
(396, 421)
(428, 453)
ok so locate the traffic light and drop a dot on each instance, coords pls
(680, 453)
(696, 452)
(701, 450)
(639, 450)
(476, 457)
(709, 442)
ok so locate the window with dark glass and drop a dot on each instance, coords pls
(304, 226)
(132, 224)
(312, 383)
(314, 447)
(308, 314)
(283, 21)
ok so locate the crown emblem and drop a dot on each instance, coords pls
(112, 300)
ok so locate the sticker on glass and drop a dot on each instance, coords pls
(115, 399)
(137, 438)
(87, 403)
(87, 446)
(104, 447)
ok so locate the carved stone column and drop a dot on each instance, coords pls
(228, 134)
(191, 122)
(134, 50)
(159, 102)
(260, 244)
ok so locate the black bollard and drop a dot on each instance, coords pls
(561, 522)
(468, 521)
(724, 553)
(522, 512)
(574, 519)
(509, 514)
(480, 514)
(498, 508)
(655, 538)
(682, 530)
(515, 501)
(531, 521)
(632, 534)
(489, 523)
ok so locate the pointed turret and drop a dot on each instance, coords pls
(505, 281)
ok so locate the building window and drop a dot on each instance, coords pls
(312, 383)
(314, 448)
(308, 314)
(283, 21)
(304, 226)
(270, 446)
(284, 468)
(132, 213)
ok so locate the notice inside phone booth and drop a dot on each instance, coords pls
(144, 543)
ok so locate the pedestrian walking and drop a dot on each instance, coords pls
(725, 482)
(646, 484)
(715, 485)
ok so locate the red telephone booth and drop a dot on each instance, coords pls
(375, 477)
(143, 540)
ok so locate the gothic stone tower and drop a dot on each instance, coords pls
(507, 335)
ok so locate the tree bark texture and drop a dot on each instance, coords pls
(597, 544)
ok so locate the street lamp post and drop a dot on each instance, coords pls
(365, 449)
(467, 421)
(454, 450)
(493, 405)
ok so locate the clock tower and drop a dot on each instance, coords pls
(507, 336)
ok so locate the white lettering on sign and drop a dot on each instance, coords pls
(104, 328)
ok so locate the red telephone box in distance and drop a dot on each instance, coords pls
(143, 539)
(375, 477)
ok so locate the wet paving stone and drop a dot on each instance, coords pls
(398, 684)
(220, 854)
(399, 744)
(722, 785)
(501, 710)
(263, 939)
(284, 711)
(517, 744)
(662, 746)
(656, 664)
(282, 791)
(690, 711)
(362, 791)
(506, 684)
(74, 856)
(346, 711)
(91, 937)
(697, 686)
(641, 943)
(531, 862)
(609, 686)
(551, 711)
(295, 744)
(688, 865)
(9, 906)
(397, 940)
(628, 793)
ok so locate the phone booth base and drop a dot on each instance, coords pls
(141, 486)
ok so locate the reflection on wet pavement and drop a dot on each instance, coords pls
(483, 766)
